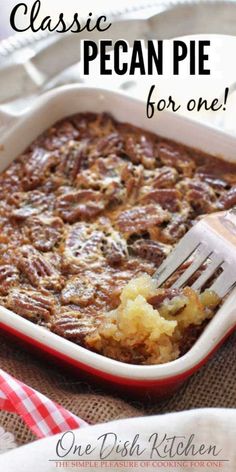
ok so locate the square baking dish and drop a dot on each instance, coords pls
(137, 380)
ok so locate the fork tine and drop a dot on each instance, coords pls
(204, 253)
(216, 261)
(182, 251)
(213, 237)
(224, 282)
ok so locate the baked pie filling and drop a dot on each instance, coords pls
(87, 214)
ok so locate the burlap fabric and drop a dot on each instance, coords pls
(213, 386)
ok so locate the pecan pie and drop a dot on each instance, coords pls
(90, 207)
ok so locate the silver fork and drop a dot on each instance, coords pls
(212, 239)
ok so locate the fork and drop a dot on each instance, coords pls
(211, 240)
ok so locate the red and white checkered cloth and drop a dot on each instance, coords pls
(42, 415)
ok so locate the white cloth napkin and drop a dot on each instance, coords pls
(202, 439)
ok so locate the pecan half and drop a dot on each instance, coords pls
(44, 232)
(228, 199)
(73, 158)
(140, 150)
(199, 194)
(38, 269)
(141, 218)
(9, 276)
(165, 177)
(177, 158)
(109, 144)
(83, 246)
(83, 204)
(74, 328)
(29, 204)
(36, 167)
(132, 176)
(175, 230)
(58, 135)
(31, 304)
(150, 250)
(169, 199)
(216, 182)
(11, 180)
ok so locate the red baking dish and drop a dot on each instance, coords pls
(137, 380)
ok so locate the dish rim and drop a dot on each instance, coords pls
(222, 323)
